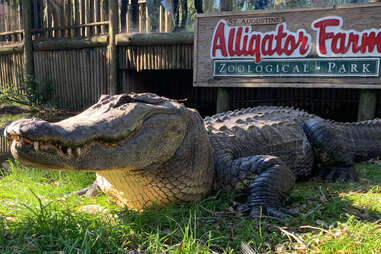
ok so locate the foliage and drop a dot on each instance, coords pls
(29, 91)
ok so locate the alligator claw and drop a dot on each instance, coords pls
(260, 211)
(279, 213)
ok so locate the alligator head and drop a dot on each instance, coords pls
(144, 148)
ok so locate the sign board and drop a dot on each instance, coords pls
(316, 47)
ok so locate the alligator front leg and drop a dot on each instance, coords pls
(270, 182)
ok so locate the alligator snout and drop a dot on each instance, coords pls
(28, 128)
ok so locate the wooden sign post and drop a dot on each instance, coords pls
(302, 48)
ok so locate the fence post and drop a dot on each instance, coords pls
(223, 98)
(112, 51)
(28, 44)
(367, 105)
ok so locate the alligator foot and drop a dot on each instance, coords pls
(338, 173)
(268, 191)
(266, 211)
(91, 191)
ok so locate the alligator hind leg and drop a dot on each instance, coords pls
(271, 180)
(334, 161)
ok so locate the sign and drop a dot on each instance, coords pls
(312, 67)
(316, 47)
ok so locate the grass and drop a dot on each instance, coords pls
(39, 215)
(7, 118)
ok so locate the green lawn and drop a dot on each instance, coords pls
(39, 215)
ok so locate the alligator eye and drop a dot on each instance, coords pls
(124, 99)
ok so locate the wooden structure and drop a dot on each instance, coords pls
(284, 48)
(81, 47)
(76, 51)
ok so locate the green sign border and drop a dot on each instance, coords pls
(307, 63)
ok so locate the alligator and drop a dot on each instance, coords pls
(147, 149)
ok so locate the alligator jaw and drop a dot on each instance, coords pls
(24, 149)
(45, 145)
(109, 135)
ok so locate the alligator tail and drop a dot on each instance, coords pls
(344, 143)
(362, 139)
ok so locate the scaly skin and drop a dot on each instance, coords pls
(147, 149)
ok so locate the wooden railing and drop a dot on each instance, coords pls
(79, 19)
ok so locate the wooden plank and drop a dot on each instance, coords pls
(147, 19)
(40, 17)
(64, 78)
(166, 22)
(141, 26)
(180, 38)
(97, 16)
(20, 17)
(6, 17)
(105, 15)
(83, 16)
(223, 100)
(49, 18)
(2, 25)
(77, 31)
(358, 18)
(88, 17)
(11, 32)
(367, 105)
(112, 49)
(68, 27)
(91, 16)
(12, 48)
(161, 19)
(92, 42)
(61, 15)
(83, 74)
(69, 17)
(105, 71)
(128, 20)
(99, 80)
(28, 45)
(14, 17)
(54, 77)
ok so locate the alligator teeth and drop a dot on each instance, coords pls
(69, 151)
(78, 150)
(36, 146)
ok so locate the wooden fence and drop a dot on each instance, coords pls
(73, 44)
(80, 19)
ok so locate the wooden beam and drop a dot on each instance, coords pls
(179, 38)
(10, 49)
(112, 51)
(28, 44)
(92, 42)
